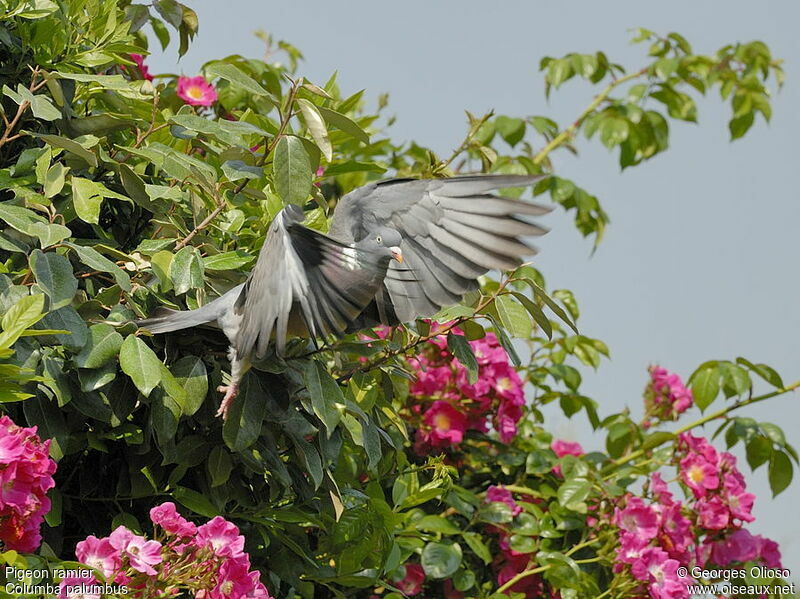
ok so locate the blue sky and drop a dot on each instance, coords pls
(700, 259)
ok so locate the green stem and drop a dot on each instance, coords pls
(707, 418)
(567, 133)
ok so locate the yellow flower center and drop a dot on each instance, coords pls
(696, 474)
(441, 422)
(194, 92)
(504, 383)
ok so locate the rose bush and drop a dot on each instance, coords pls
(413, 460)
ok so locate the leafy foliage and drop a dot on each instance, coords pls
(118, 197)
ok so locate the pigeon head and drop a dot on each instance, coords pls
(384, 241)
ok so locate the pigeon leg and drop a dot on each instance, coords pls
(230, 391)
(239, 366)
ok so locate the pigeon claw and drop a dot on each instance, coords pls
(230, 391)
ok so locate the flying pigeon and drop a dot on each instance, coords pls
(396, 250)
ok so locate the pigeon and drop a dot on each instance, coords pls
(304, 283)
(396, 250)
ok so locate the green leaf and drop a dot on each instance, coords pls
(536, 312)
(94, 259)
(186, 270)
(102, 346)
(87, 199)
(574, 491)
(219, 466)
(512, 130)
(227, 260)
(344, 123)
(316, 127)
(514, 317)
(292, 170)
(67, 319)
(54, 180)
(436, 524)
(246, 415)
(53, 274)
(236, 170)
(461, 349)
(238, 78)
(141, 364)
(705, 384)
(25, 312)
(780, 472)
(541, 294)
(475, 542)
(69, 145)
(759, 450)
(190, 371)
(195, 501)
(326, 395)
(440, 560)
(165, 412)
(49, 234)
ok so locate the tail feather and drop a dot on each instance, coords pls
(165, 320)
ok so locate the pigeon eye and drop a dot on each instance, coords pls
(379, 239)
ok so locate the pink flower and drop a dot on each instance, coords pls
(678, 529)
(411, 583)
(168, 518)
(143, 70)
(739, 546)
(99, 554)
(196, 91)
(562, 448)
(712, 513)
(637, 518)
(699, 474)
(666, 396)
(503, 495)
(448, 424)
(700, 445)
(26, 474)
(141, 553)
(222, 536)
(769, 552)
(659, 489)
(630, 548)
(234, 579)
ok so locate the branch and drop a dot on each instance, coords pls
(9, 125)
(701, 421)
(567, 133)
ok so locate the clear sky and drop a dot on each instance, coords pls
(701, 258)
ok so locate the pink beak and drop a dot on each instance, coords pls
(397, 254)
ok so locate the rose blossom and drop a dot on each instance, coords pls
(196, 91)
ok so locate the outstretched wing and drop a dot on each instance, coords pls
(453, 231)
(330, 282)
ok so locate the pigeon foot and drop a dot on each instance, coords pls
(230, 391)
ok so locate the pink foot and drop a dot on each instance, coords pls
(230, 391)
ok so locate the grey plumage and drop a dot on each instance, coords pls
(452, 232)
(445, 232)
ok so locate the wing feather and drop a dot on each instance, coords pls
(453, 231)
(326, 282)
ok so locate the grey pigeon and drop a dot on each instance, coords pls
(442, 233)
(304, 283)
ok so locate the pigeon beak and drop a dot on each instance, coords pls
(397, 253)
